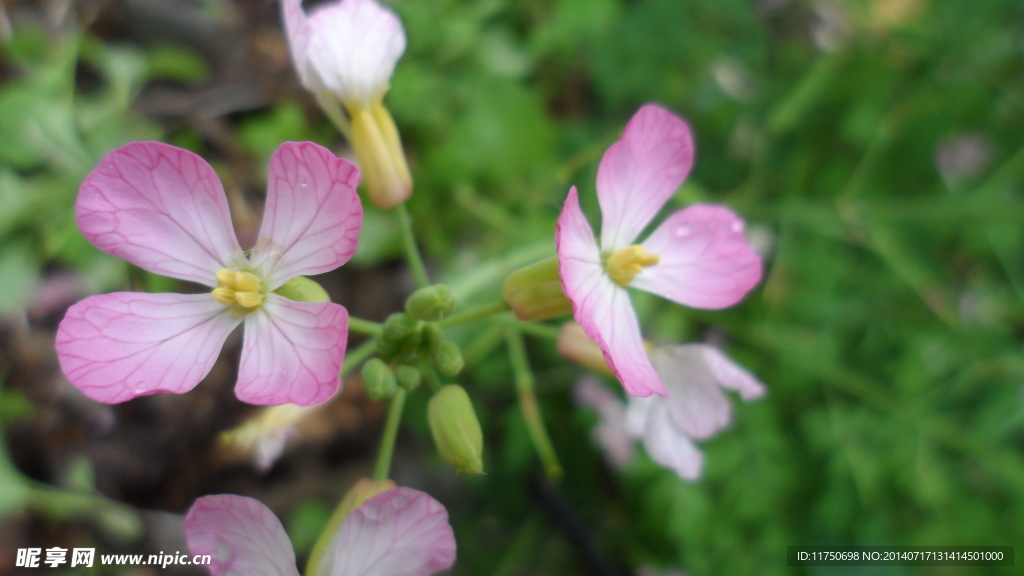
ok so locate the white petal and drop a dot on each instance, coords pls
(667, 444)
(695, 400)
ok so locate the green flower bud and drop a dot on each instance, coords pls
(396, 327)
(430, 303)
(535, 292)
(433, 335)
(302, 289)
(456, 430)
(379, 379)
(449, 358)
(408, 377)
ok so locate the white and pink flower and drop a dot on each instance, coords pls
(696, 408)
(399, 532)
(163, 209)
(697, 257)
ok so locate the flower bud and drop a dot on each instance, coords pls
(379, 379)
(408, 377)
(456, 430)
(449, 358)
(574, 345)
(433, 335)
(363, 490)
(381, 158)
(535, 292)
(302, 289)
(430, 303)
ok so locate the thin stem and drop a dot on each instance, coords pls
(430, 375)
(387, 441)
(355, 357)
(368, 327)
(412, 252)
(528, 404)
(536, 329)
(475, 313)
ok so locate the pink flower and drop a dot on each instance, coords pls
(695, 408)
(697, 257)
(399, 532)
(163, 209)
(347, 48)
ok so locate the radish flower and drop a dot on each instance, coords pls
(345, 52)
(697, 257)
(399, 532)
(163, 209)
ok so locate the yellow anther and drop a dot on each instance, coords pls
(225, 296)
(247, 282)
(248, 299)
(624, 265)
(226, 278)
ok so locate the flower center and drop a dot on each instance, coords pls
(243, 291)
(624, 265)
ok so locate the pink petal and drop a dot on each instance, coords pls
(243, 537)
(161, 208)
(312, 217)
(695, 400)
(292, 352)
(665, 443)
(731, 375)
(640, 172)
(118, 346)
(353, 48)
(296, 27)
(399, 532)
(610, 434)
(705, 259)
(599, 305)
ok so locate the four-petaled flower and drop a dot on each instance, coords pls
(695, 408)
(697, 257)
(399, 532)
(164, 209)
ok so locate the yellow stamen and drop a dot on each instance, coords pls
(247, 282)
(225, 296)
(226, 278)
(624, 265)
(248, 299)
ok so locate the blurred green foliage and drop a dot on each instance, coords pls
(877, 146)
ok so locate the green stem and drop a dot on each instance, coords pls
(412, 252)
(430, 375)
(536, 329)
(528, 403)
(368, 327)
(355, 357)
(387, 441)
(475, 313)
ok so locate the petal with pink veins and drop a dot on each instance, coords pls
(353, 48)
(731, 375)
(665, 443)
(313, 216)
(399, 532)
(599, 305)
(243, 537)
(705, 261)
(292, 352)
(161, 208)
(640, 172)
(115, 347)
(695, 400)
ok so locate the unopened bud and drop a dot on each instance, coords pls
(302, 289)
(430, 303)
(574, 345)
(449, 358)
(456, 430)
(363, 490)
(433, 335)
(535, 292)
(379, 379)
(408, 377)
